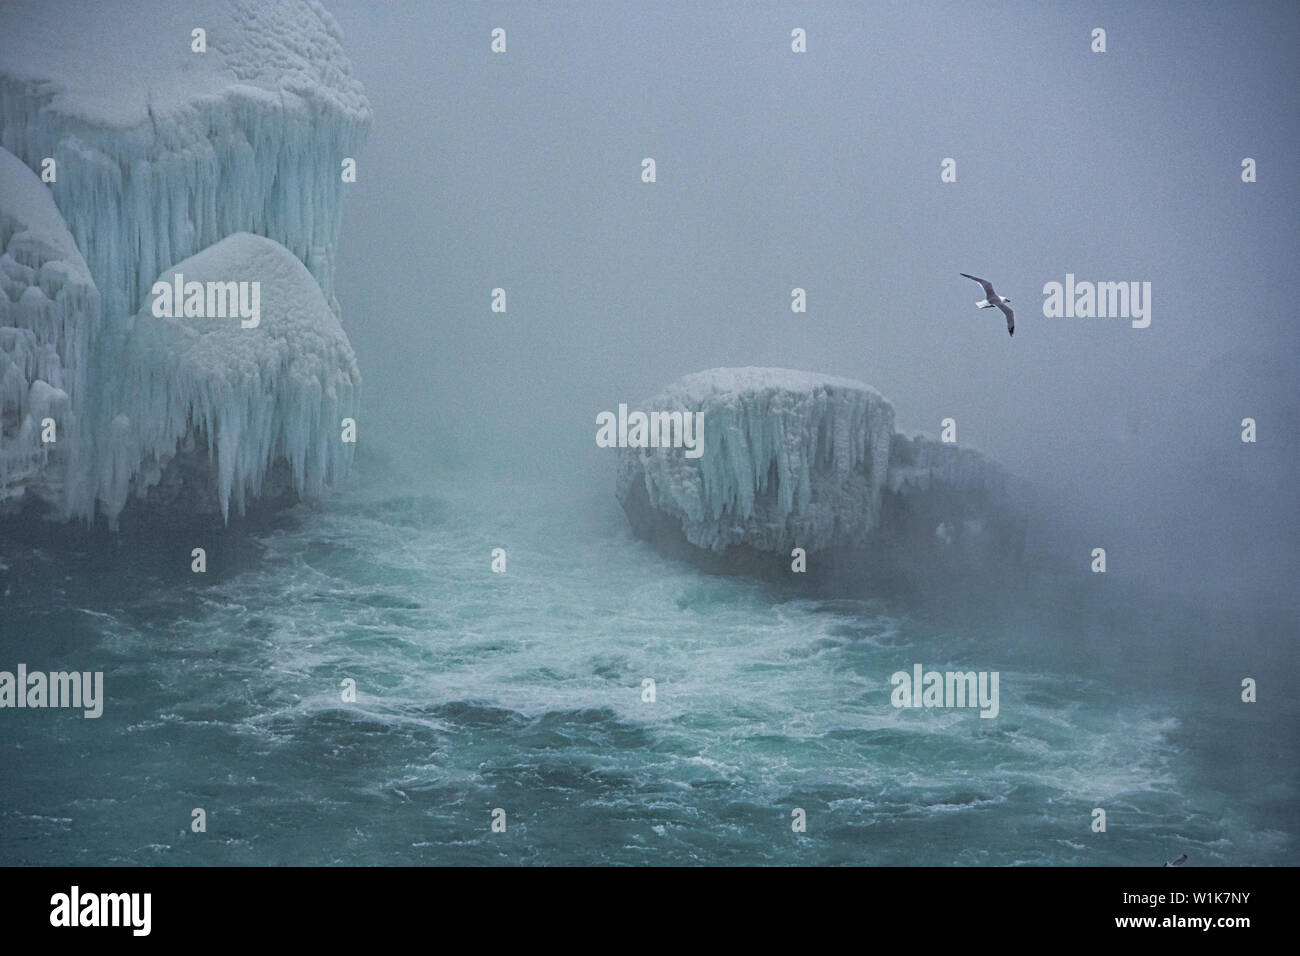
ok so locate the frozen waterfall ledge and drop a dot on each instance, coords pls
(157, 169)
(801, 460)
(162, 151)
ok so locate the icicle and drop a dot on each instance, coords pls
(797, 459)
(158, 165)
(257, 395)
(789, 457)
(48, 313)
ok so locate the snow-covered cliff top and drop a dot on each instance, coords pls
(76, 52)
(721, 382)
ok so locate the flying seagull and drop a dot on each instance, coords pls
(993, 299)
(1178, 862)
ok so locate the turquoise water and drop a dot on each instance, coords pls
(522, 691)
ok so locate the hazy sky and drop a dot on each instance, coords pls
(822, 170)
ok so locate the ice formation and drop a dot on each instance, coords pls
(48, 314)
(161, 154)
(796, 459)
(161, 151)
(254, 396)
(789, 458)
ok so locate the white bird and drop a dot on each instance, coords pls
(993, 299)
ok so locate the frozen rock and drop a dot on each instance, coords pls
(796, 459)
(243, 399)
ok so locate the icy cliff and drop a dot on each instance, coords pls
(161, 151)
(49, 312)
(158, 158)
(796, 459)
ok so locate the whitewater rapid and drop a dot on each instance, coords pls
(523, 690)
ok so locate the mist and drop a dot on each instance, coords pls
(366, 575)
(822, 171)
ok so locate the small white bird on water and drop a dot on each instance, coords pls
(993, 299)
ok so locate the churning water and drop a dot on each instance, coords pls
(523, 691)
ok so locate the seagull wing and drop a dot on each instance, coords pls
(1011, 317)
(988, 286)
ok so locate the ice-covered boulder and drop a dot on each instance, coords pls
(789, 458)
(49, 313)
(796, 459)
(223, 394)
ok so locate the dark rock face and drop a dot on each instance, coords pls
(188, 490)
(185, 498)
(947, 503)
(187, 487)
(983, 536)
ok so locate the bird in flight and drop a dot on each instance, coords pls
(1178, 862)
(993, 299)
